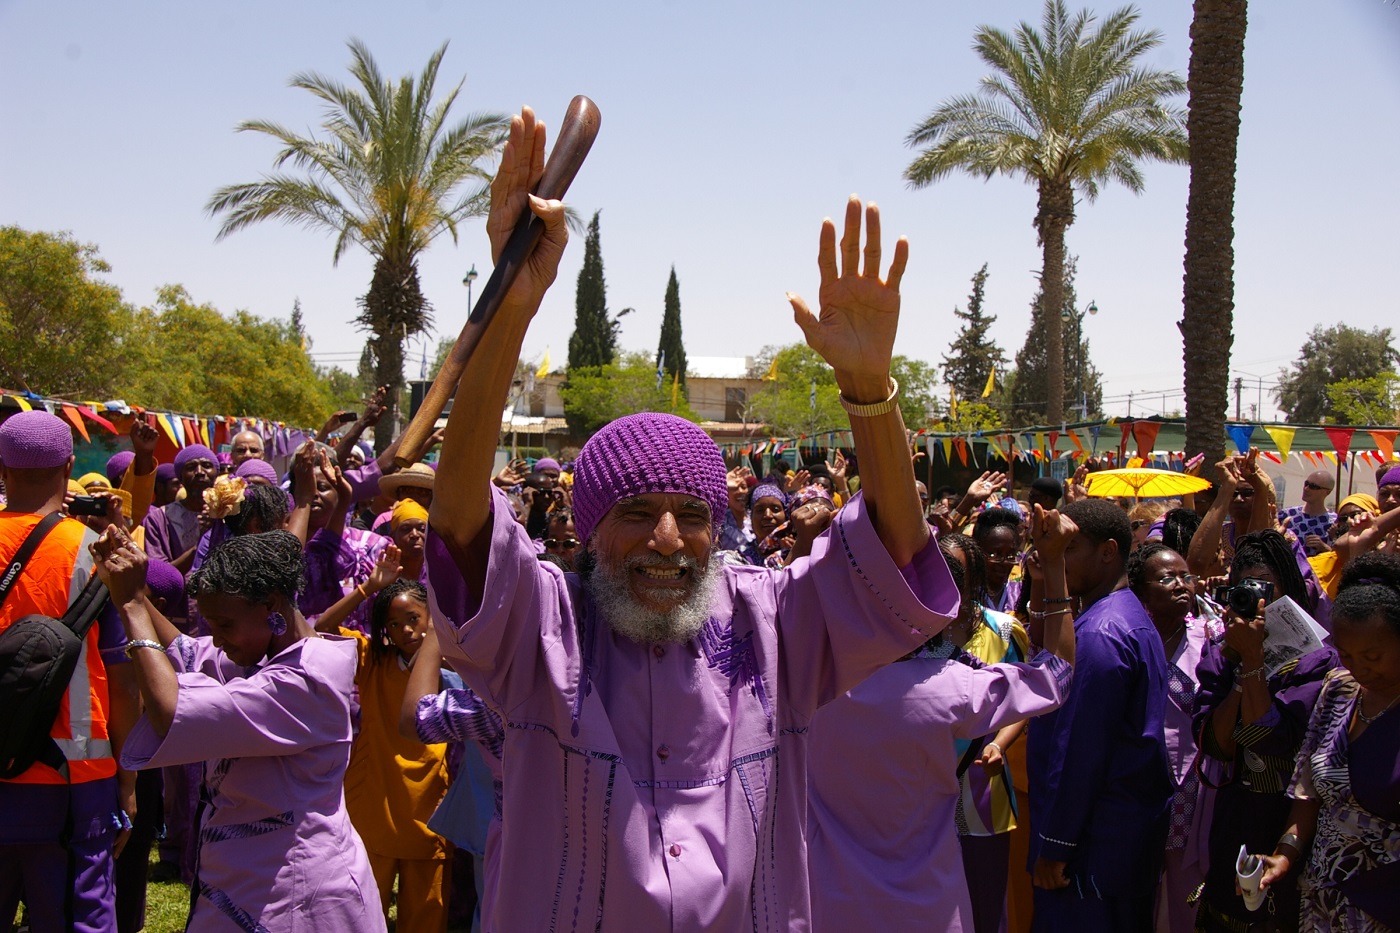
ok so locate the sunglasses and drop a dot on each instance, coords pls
(1141, 523)
(567, 544)
(1308, 485)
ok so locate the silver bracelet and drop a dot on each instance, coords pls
(135, 643)
(1291, 840)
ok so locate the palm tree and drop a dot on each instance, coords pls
(1066, 108)
(1216, 79)
(389, 175)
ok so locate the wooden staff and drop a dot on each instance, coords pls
(576, 135)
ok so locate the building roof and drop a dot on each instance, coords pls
(718, 367)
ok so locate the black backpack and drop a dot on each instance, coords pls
(38, 655)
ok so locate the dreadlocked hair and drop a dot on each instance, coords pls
(380, 646)
(1271, 550)
(263, 506)
(1370, 587)
(1137, 564)
(254, 568)
(1178, 528)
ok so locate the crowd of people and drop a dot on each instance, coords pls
(646, 689)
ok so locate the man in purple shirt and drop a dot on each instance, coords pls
(656, 705)
(1100, 779)
(172, 531)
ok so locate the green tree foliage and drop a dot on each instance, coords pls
(56, 318)
(594, 340)
(1065, 108)
(672, 348)
(785, 404)
(1082, 380)
(389, 174)
(1366, 401)
(597, 395)
(973, 354)
(184, 356)
(973, 417)
(1333, 355)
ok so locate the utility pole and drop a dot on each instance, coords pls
(1239, 386)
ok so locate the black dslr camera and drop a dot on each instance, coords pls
(1243, 598)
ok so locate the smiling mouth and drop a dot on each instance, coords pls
(663, 574)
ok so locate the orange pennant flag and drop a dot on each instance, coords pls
(72, 415)
(1385, 443)
(961, 446)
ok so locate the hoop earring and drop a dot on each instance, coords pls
(277, 622)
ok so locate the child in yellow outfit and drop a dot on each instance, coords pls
(394, 784)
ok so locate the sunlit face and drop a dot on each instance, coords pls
(246, 446)
(640, 529)
(562, 541)
(325, 502)
(1169, 602)
(765, 514)
(1345, 515)
(238, 627)
(409, 535)
(1370, 649)
(354, 459)
(1388, 496)
(1001, 545)
(197, 476)
(406, 623)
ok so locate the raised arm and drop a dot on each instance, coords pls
(854, 332)
(424, 679)
(461, 509)
(1205, 544)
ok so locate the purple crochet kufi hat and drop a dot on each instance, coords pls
(166, 583)
(194, 452)
(165, 472)
(256, 468)
(644, 453)
(546, 463)
(116, 466)
(1391, 477)
(35, 440)
(768, 490)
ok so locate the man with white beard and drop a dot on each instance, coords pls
(656, 703)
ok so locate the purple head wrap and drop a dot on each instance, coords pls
(35, 440)
(1392, 477)
(194, 452)
(166, 583)
(165, 472)
(768, 491)
(546, 463)
(807, 494)
(256, 468)
(116, 466)
(645, 453)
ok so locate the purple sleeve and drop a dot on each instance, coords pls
(111, 636)
(458, 715)
(998, 695)
(158, 535)
(364, 482)
(847, 610)
(1280, 729)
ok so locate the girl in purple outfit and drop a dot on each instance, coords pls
(264, 704)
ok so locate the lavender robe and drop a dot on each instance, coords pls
(277, 851)
(883, 849)
(171, 530)
(1100, 779)
(334, 565)
(664, 787)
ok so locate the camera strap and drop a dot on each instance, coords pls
(31, 543)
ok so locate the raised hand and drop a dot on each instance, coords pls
(859, 312)
(1078, 489)
(1051, 532)
(144, 438)
(798, 480)
(522, 164)
(385, 571)
(304, 464)
(120, 564)
(985, 485)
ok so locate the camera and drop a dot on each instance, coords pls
(87, 505)
(1243, 598)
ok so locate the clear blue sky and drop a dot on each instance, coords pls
(729, 131)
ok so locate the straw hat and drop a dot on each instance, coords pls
(419, 474)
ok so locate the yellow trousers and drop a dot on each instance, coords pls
(423, 887)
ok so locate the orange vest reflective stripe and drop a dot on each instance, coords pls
(54, 576)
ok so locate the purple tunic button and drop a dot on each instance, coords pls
(675, 850)
(663, 752)
(658, 651)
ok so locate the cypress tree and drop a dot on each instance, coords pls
(1082, 385)
(671, 350)
(972, 354)
(594, 340)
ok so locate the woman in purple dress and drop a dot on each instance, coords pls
(1345, 821)
(264, 704)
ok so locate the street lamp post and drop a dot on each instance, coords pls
(1068, 315)
(467, 280)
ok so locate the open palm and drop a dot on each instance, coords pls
(855, 329)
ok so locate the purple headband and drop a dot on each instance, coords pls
(546, 463)
(35, 440)
(645, 453)
(807, 494)
(116, 466)
(767, 491)
(194, 452)
(256, 468)
(1392, 477)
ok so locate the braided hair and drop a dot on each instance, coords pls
(1370, 587)
(1271, 550)
(968, 566)
(380, 646)
(255, 568)
(264, 507)
(1178, 528)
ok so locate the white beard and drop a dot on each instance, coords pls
(611, 592)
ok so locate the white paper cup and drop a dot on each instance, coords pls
(1249, 869)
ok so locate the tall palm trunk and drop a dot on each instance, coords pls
(1214, 82)
(394, 309)
(1054, 215)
